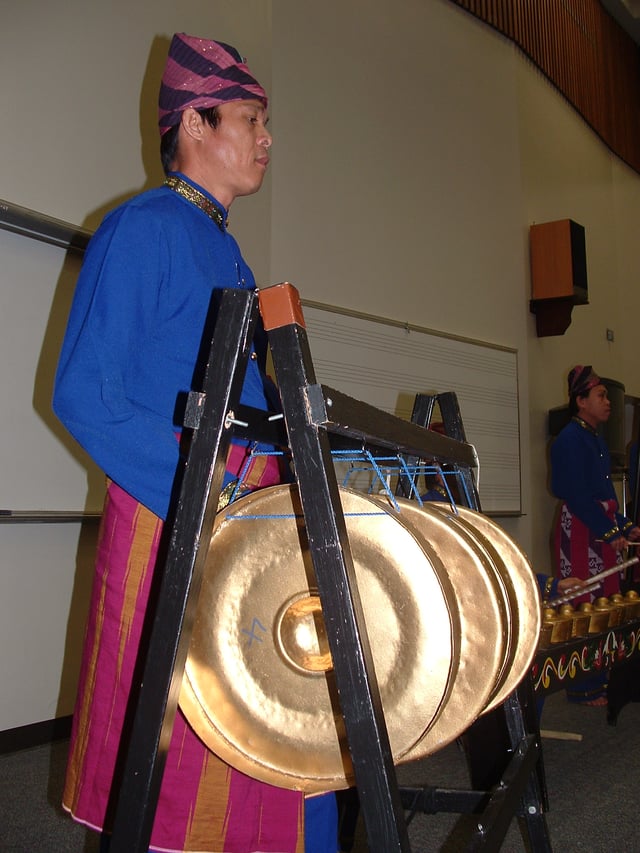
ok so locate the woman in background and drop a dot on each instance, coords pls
(590, 533)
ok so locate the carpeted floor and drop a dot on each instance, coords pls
(592, 785)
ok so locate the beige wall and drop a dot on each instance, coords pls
(396, 166)
(82, 104)
(396, 175)
(568, 173)
(413, 147)
(79, 101)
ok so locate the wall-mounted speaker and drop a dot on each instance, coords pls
(558, 274)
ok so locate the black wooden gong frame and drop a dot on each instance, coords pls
(313, 414)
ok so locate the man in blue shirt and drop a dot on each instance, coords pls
(130, 352)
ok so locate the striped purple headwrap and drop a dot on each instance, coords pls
(201, 73)
(581, 380)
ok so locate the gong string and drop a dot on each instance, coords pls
(382, 468)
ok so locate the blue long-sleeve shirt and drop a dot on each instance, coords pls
(134, 334)
(581, 477)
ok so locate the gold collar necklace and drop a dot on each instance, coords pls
(585, 425)
(199, 199)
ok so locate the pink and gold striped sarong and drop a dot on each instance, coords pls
(204, 805)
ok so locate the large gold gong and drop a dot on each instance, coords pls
(258, 687)
(524, 595)
(484, 617)
(502, 578)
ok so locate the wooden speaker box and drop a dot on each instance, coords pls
(558, 274)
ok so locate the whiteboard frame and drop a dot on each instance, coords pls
(73, 240)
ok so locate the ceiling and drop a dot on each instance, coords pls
(627, 14)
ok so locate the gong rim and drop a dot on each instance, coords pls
(239, 702)
(507, 592)
(525, 595)
(482, 616)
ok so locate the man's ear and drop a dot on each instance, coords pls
(192, 124)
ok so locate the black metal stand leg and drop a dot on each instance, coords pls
(518, 707)
(453, 426)
(422, 415)
(329, 548)
(182, 574)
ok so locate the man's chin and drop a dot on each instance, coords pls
(251, 189)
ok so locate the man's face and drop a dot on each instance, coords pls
(237, 150)
(595, 408)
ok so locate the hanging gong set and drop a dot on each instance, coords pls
(451, 609)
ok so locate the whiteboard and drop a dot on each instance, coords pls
(43, 469)
(386, 363)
